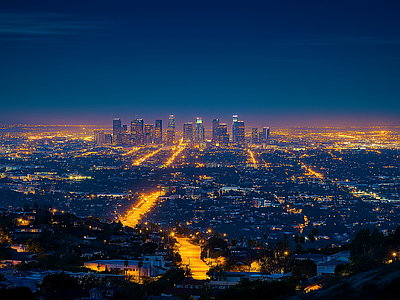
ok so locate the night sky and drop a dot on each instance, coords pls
(274, 63)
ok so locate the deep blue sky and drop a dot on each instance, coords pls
(274, 63)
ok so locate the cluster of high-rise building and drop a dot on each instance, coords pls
(140, 133)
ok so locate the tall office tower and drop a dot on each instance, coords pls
(108, 138)
(170, 136)
(171, 121)
(137, 131)
(133, 132)
(116, 126)
(240, 132)
(158, 132)
(215, 130)
(148, 133)
(188, 132)
(99, 137)
(199, 131)
(124, 128)
(125, 138)
(254, 135)
(267, 134)
(234, 128)
(262, 135)
(171, 130)
(116, 130)
(223, 134)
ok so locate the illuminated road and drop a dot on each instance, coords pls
(177, 150)
(134, 149)
(145, 204)
(144, 158)
(253, 159)
(313, 173)
(190, 255)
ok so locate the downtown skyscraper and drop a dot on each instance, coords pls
(158, 132)
(215, 130)
(137, 131)
(234, 128)
(171, 130)
(188, 132)
(199, 130)
(148, 134)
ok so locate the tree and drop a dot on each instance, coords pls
(126, 264)
(59, 282)
(22, 292)
(306, 268)
(140, 265)
(311, 239)
(367, 250)
(234, 242)
(314, 231)
(34, 246)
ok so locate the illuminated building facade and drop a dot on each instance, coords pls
(148, 134)
(116, 129)
(235, 129)
(262, 135)
(215, 130)
(158, 132)
(116, 126)
(199, 131)
(240, 132)
(223, 134)
(171, 121)
(171, 130)
(188, 132)
(170, 136)
(254, 136)
(137, 131)
(99, 137)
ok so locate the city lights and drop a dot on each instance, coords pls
(146, 202)
(143, 159)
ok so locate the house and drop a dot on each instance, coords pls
(316, 258)
(102, 293)
(18, 257)
(29, 231)
(7, 272)
(190, 287)
(343, 256)
(90, 252)
(328, 268)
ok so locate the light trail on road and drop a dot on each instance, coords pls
(145, 204)
(313, 173)
(177, 150)
(190, 255)
(134, 149)
(253, 159)
(144, 158)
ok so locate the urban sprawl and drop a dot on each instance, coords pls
(142, 211)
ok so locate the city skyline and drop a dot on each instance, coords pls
(288, 64)
(144, 133)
